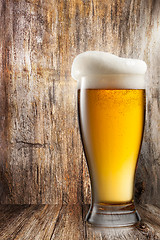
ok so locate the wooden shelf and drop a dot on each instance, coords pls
(66, 222)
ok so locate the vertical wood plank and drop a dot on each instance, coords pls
(41, 153)
(5, 54)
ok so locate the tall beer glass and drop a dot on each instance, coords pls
(111, 119)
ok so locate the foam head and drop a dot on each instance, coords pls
(104, 70)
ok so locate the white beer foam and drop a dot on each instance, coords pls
(94, 69)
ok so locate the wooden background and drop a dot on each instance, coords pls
(41, 158)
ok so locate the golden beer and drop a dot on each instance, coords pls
(111, 124)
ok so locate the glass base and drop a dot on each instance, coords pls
(102, 215)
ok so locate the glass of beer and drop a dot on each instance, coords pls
(111, 111)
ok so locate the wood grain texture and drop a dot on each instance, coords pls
(41, 158)
(53, 222)
(70, 224)
(28, 222)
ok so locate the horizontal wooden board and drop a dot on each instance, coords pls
(58, 222)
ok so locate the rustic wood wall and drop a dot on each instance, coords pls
(41, 158)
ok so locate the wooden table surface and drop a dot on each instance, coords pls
(66, 222)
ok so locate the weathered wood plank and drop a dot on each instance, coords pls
(115, 234)
(69, 224)
(55, 222)
(28, 222)
(151, 214)
(40, 150)
(43, 146)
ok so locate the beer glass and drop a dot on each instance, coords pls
(111, 121)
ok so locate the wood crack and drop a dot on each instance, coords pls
(29, 144)
(57, 221)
